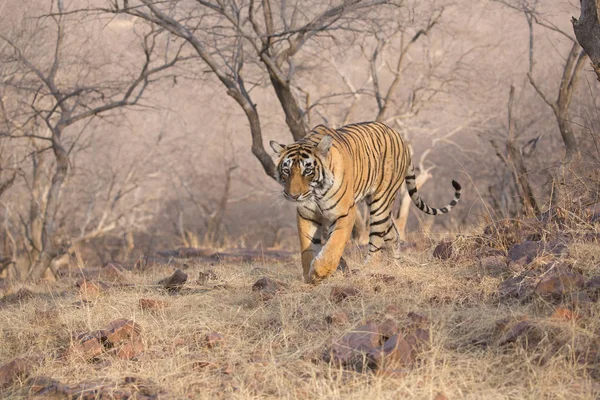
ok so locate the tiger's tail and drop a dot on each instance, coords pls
(412, 191)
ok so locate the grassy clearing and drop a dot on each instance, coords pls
(271, 349)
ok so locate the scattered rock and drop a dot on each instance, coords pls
(579, 297)
(395, 352)
(593, 283)
(127, 388)
(86, 346)
(350, 350)
(206, 276)
(493, 265)
(557, 285)
(516, 287)
(175, 282)
(417, 319)
(120, 330)
(267, 288)
(341, 293)
(130, 350)
(19, 368)
(213, 339)
(528, 332)
(524, 253)
(340, 318)
(418, 340)
(152, 304)
(564, 314)
(392, 310)
(443, 250)
(88, 289)
(17, 297)
(388, 328)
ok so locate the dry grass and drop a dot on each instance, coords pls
(270, 347)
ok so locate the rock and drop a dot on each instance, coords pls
(417, 319)
(349, 351)
(557, 285)
(120, 330)
(175, 282)
(130, 350)
(388, 328)
(418, 340)
(395, 352)
(88, 289)
(19, 368)
(440, 396)
(564, 314)
(524, 330)
(516, 287)
(524, 253)
(267, 288)
(579, 297)
(17, 297)
(86, 346)
(443, 250)
(152, 304)
(493, 265)
(206, 276)
(341, 293)
(392, 310)
(340, 318)
(213, 339)
(593, 283)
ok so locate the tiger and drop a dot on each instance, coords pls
(326, 173)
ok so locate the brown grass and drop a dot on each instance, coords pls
(271, 348)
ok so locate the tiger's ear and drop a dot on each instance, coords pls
(325, 144)
(277, 148)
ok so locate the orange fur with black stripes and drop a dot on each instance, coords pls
(327, 172)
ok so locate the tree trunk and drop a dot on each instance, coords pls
(49, 250)
(294, 118)
(587, 31)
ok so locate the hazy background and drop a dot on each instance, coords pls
(176, 169)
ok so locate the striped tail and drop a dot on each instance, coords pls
(412, 191)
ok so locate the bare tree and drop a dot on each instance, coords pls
(60, 100)
(587, 31)
(514, 159)
(570, 77)
(230, 35)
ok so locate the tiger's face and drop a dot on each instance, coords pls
(301, 169)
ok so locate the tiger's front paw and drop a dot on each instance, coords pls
(317, 271)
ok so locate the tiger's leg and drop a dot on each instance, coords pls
(309, 231)
(382, 230)
(327, 261)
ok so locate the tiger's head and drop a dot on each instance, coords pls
(302, 169)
